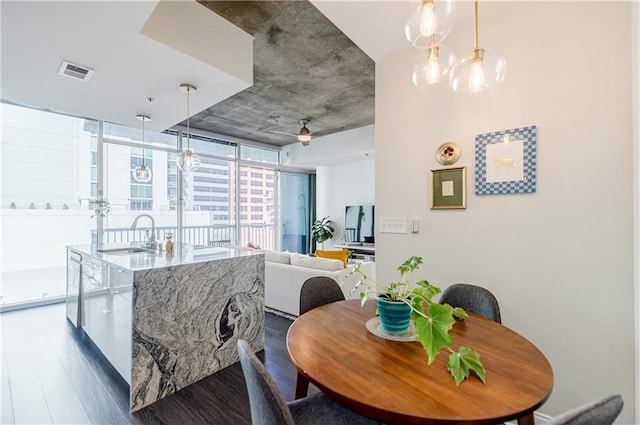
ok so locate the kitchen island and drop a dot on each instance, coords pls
(166, 321)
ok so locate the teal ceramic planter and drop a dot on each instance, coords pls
(394, 316)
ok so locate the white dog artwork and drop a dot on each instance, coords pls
(504, 161)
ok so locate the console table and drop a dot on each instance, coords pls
(360, 251)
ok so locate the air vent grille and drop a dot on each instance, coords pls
(75, 71)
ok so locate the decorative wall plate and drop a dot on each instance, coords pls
(448, 153)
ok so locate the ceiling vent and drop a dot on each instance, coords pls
(75, 71)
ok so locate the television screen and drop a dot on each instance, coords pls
(359, 223)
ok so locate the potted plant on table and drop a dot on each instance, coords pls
(321, 230)
(403, 301)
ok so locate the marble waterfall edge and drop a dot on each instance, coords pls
(187, 320)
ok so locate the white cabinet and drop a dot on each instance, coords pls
(74, 287)
(107, 312)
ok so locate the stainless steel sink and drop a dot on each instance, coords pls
(125, 251)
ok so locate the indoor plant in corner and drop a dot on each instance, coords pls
(322, 230)
(432, 321)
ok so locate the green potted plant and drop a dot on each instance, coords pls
(432, 321)
(322, 230)
(101, 207)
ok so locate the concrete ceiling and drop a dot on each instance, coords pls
(304, 68)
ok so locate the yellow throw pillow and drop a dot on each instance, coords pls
(342, 255)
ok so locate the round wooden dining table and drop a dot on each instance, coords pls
(391, 381)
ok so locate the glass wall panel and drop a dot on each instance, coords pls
(47, 181)
(121, 133)
(209, 195)
(257, 207)
(129, 198)
(294, 212)
(213, 147)
(252, 153)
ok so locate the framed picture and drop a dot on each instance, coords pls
(449, 188)
(506, 161)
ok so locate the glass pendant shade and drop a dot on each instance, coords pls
(434, 68)
(188, 160)
(141, 173)
(430, 23)
(482, 71)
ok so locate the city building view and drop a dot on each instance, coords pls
(69, 180)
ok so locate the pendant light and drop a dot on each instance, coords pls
(482, 71)
(433, 69)
(430, 23)
(141, 173)
(188, 160)
(304, 136)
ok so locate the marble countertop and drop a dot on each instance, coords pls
(188, 254)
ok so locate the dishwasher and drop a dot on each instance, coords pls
(74, 288)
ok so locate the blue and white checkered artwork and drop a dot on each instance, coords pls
(506, 161)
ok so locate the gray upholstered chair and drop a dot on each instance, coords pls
(599, 412)
(317, 291)
(472, 298)
(268, 407)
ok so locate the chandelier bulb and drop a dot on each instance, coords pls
(477, 81)
(430, 23)
(433, 67)
(427, 19)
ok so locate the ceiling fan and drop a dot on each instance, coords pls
(304, 135)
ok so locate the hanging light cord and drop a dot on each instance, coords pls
(475, 15)
(188, 141)
(142, 142)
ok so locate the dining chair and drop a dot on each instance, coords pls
(268, 406)
(472, 298)
(599, 412)
(317, 291)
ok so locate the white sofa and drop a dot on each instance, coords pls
(283, 280)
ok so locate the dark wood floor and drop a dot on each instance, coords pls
(50, 377)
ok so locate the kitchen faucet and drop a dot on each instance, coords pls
(151, 243)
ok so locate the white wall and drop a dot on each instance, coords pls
(560, 261)
(347, 146)
(340, 185)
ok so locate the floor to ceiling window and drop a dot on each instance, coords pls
(122, 151)
(295, 198)
(56, 169)
(209, 199)
(48, 178)
(258, 200)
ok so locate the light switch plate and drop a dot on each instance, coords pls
(393, 225)
(415, 224)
